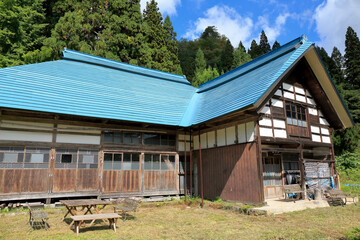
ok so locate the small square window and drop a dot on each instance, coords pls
(66, 158)
(10, 157)
(37, 158)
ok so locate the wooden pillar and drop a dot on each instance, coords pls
(191, 167)
(100, 171)
(302, 171)
(201, 174)
(185, 183)
(260, 166)
(334, 172)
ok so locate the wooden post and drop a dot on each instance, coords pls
(302, 171)
(260, 166)
(185, 186)
(190, 168)
(201, 176)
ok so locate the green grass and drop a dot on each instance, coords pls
(173, 220)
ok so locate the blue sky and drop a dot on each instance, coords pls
(323, 21)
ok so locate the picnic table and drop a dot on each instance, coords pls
(84, 206)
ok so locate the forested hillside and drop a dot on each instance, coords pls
(34, 31)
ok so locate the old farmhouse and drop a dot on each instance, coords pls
(86, 126)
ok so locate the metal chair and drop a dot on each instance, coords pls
(37, 218)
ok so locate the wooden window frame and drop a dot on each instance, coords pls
(296, 112)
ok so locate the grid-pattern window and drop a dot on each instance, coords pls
(132, 138)
(122, 137)
(271, 170)
(66, 158)
(152, 162)
(11, 157)
(113, 137)
(159, 139)
(167, 163)
(291, 161)
(20, 157)
(112, 161)
(296, 115)
(121, 161)
(37, 158)
(157, 162)
(88, 159)
(131, 161)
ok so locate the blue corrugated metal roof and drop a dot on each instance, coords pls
(86, 85)
(243, 86)
(79, 88)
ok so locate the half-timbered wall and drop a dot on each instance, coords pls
(292, 113)
(51, 159)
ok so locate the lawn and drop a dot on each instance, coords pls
(174, 221)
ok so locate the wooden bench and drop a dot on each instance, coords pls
(336, 195)
(291, 189)
(128, 205)
(37, 217)
(79, 219)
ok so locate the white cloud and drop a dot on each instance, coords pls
(227, 21)
(236, 27)
(272, 32)
(167, 7)
(332, 18)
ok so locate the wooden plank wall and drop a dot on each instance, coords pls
(231, 173)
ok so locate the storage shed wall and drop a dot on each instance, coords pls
(231, 173)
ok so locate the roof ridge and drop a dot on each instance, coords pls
(256, 62)
(72, 55)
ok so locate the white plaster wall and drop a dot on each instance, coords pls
(25, 136)
(221, 140)
(230, 135)
(77, 139)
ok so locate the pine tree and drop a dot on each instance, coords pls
(158, 40)
(200, 63)
(200, 66)
(352, 58)
(187, 55)
(22, 29)
(240, 56)
(241, 46)
(264, 46)
(212, 44)
(227, 57)
(254, 49)
(275, 45)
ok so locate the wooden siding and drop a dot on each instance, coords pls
(87, 180)
(231, 173)
(111, 181)
(35, 180)
(64, 180)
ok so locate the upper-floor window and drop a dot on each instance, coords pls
(159, 139)
(122, 137)
(295, 115)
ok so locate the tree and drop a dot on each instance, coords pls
(352, 58)
(212, 44)
(159, 40)
(227, 57)
(187, 55)
(254, 50)
(275, 45)
(264, 46)
(203, 74)
(240, 56)
(22, 29)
